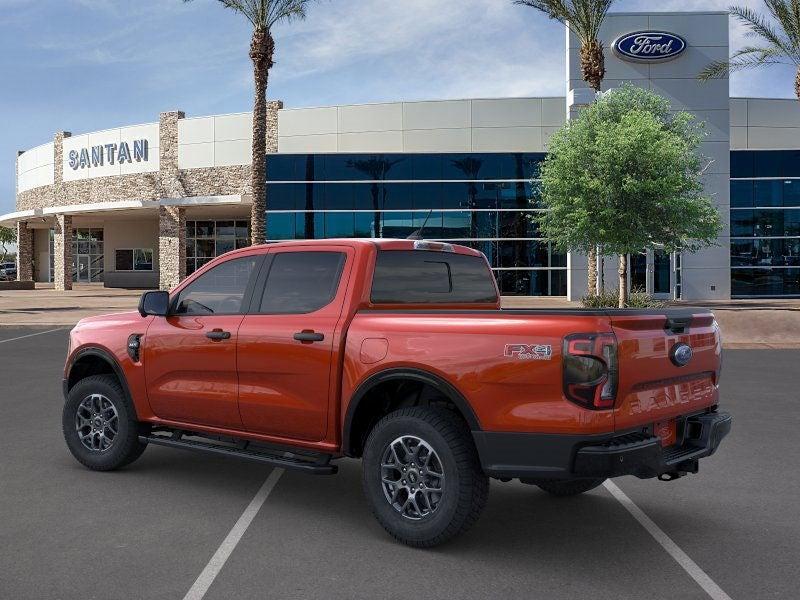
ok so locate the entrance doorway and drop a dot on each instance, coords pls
(87, 251)
(654, 272)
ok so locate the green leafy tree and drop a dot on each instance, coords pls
(584, 19)
(263, 15)
(778, 40)
(626, 175)
(8, 236)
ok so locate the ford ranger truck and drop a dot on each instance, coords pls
(396, 352)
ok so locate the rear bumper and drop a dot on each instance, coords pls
(555, 456)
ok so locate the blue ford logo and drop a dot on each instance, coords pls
(681, 354)
(649, 46)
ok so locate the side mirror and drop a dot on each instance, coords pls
(154, 303)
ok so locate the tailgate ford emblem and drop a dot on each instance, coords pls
(681, 354)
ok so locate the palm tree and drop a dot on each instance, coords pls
(779, 41)
(263, 15)
(584, 19)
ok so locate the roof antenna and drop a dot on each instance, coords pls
(417, 235)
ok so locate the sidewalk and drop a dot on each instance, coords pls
(744, 323)
(47, 308)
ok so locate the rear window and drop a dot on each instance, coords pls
(421, 277)
(301, 282)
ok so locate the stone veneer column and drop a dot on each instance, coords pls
(171, 219)
(171, 246)
(62, 250)
(273, 106)
(24, 252)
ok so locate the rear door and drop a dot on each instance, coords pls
(287, 342)
(658, 378)
(190, 356)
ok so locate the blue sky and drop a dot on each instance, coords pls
(84, 65)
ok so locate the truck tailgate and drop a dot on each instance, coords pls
(653, 387)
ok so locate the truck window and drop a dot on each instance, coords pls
(218, 291)
(420, 276)
(301, 282)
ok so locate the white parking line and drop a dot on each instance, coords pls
(222, 554)
(22, 337)
(688, 565)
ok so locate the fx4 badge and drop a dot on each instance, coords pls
(529, 352)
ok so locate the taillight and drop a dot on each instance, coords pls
(590, 369)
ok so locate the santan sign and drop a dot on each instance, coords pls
(97, 156)
(649, 46)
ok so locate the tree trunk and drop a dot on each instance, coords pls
(591, 281)
(623, 280)
(797, 84)
(593, 70)
(593, 67)
(262, 48)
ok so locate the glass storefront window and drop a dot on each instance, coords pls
(482, 200)
(206, 240)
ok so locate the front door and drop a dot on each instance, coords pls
(288, 342)
(651, 271)
(190, 356)
(83, 269)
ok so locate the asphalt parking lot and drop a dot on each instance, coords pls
(150, 530)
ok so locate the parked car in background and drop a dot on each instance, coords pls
(395, 351)
(8, 271)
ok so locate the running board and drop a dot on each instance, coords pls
(320, 465)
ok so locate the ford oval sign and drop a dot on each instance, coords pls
(649, 46)
(681, 354)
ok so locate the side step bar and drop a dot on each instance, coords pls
(319, 465)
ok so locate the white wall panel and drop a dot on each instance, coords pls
(773, 113)
(307, 121)
(233, 127)
(299, 144)
(507, 139)
(196, 131)
(554, 112)
(766, 138)
(371, 141)
(507, 112)
(738, 108)
(195, 156)
(445, 114)
(739, 138)
(437, 140)
(370, 117)
(233, 152)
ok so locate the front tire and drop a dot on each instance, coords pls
(422, 476)
(99, 424)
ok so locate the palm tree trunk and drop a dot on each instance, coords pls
(262, 48)
(797, 84)
(623, 280)
(593, 70)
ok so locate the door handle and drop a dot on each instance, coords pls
(309, 336)
(218, 334)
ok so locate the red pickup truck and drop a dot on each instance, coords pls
(397, 352)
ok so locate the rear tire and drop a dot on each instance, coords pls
(568, 487)
(99, 424)
(412, 453)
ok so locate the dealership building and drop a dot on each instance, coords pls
(145, 205)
